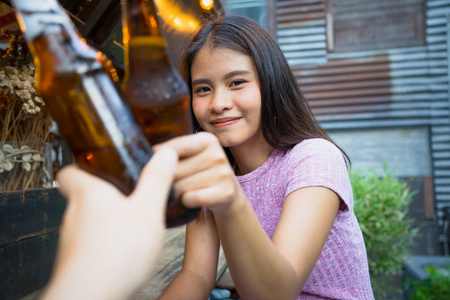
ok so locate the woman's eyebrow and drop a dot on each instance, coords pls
(226, 76)
(236, 73)
(201, 81)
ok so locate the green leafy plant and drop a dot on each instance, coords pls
(381, 206)
(435, 287)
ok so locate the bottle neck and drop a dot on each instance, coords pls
(140, 18)
(50, 33)
(143, 39)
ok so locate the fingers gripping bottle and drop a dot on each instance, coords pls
(76, 84)
(155, 91)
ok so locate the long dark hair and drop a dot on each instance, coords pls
(286, 118)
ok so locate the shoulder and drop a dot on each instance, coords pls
(319, 150)
(316, 143)
(318, 162)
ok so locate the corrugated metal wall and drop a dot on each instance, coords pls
(374, 89)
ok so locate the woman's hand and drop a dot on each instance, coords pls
(204, 176)
(109, 243)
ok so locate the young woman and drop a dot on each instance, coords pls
(279, 198)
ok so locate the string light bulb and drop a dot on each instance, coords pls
(173, 17)
(207, 4)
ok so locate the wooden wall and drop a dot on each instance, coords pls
(375, 85)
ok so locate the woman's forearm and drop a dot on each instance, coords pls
(258, 269)
(188, 286)
(197, 277)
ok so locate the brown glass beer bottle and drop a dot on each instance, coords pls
(158, 96)
(77, 86)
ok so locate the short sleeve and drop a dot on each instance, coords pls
(318, 162)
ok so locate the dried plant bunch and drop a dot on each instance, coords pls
(24, 120)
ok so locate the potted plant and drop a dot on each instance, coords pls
(30, 211)
(381, 206)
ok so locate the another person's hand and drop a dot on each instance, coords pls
(204, 176)
(109, 243)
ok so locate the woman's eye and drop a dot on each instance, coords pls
(202, 89)
(237, 82)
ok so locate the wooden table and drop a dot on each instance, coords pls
(168, 266)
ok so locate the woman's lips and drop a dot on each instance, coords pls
(223, 122)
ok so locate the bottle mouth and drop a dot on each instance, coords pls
(152, 41)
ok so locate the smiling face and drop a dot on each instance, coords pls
(226, 98)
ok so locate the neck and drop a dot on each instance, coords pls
(249, 158)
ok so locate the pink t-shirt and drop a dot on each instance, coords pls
(341, 271)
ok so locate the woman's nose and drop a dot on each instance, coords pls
(221, 101)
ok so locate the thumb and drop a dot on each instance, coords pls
(156, 179)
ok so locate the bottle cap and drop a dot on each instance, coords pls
(36, 5)
(31, 20)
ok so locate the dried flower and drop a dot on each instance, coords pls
(24, 120)
(29, 158)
